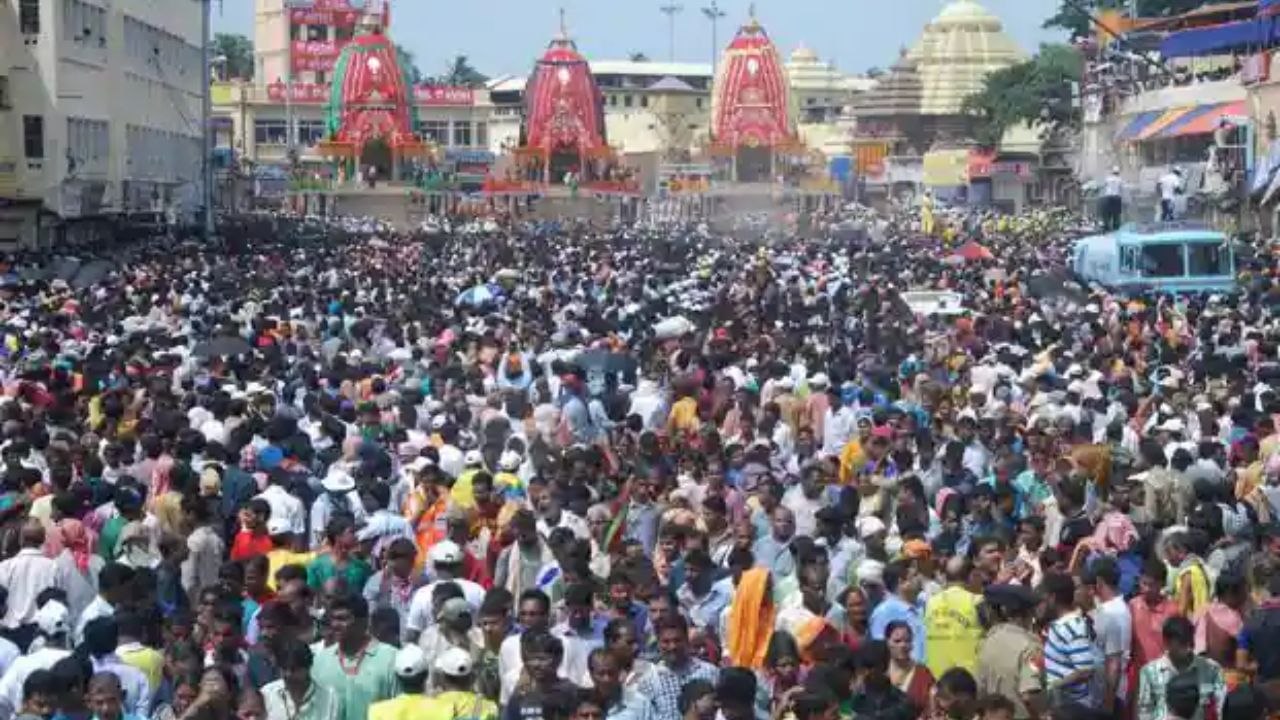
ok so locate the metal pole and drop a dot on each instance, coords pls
(288, 83)
(671, 10)
(714, 13)
(206, 130)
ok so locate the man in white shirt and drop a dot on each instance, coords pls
(1170, 187)
(534, 613)
(284, 506)
(1114, 629)
(445, 558)
(1112, 200)
(101, 637)
(115, 583)
(25, 576)
(52, 625)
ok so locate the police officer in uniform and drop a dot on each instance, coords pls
(1010, 659)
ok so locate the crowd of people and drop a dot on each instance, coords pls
(652, 473)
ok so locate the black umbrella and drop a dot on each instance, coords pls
(1056, 284)
(223, 347)
(91, 274)
(65, 269)
(606, 362)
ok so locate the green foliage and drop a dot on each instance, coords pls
(1039, 89)
(638, 56)
(1073, 15)
(460, 73)
(408, 65)
(238, 51)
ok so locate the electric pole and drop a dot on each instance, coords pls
(671, 10)
(206, 112)
(714, 14)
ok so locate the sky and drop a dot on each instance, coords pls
(506, 36)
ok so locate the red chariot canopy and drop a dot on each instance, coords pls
(564, 109)
(751, 105)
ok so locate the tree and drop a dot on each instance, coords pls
(408, 65)
(638, 56)
(460, 73)
(1038, 90)
(874, 72)
(1073, 15)
(238, 51)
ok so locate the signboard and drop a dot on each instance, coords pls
(946, 168)
(442, 96)
(306, 93)
(1256, 68)
(318, 55)
(423, 95)
(315, 16)
(980, 164)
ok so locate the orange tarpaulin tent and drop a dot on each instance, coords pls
(972, 251)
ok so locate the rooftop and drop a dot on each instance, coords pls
(631, 67)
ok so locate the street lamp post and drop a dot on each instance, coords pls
(714, 13)
(671, 10)
(206, 129)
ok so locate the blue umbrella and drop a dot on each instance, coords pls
(480, 295)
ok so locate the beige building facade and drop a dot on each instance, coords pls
(100, 113)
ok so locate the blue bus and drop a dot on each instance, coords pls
(1168, 257)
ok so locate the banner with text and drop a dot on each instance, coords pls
(423, 95)
(317, 55)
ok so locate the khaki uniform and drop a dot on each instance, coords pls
(1010, 663)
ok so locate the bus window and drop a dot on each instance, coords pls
(1207, 259)
(1162, 261)
(1128, 260)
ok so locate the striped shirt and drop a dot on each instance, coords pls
(1069, 648)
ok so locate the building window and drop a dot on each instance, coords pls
(644, 101)
(310, 132)
(316, 33)
(482, 134)
(698, 103)
(436, 131)
(33, 136)
(295, 31)
(29, 16)
(321, 77)
(270, 132)
(627, 100)
(342, 34)
(4, 93)
(462, 134)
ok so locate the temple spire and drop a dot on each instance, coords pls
(564, 25)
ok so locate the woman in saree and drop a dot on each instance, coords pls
(912, 678)
(751, 620)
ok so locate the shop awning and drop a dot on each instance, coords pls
(1137, 124)
(1166, 118)
(1202, 120)
(1219, 38)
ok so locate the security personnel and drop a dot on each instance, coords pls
(1011, 657)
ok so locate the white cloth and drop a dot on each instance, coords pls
(1113, 186)
(573, 665)
(137, 691)
(17, 674)
(25, 576)
(1169, 184)
(287, 507)
(804, 509)
(575, 524)
(8, 653)
(421, 613)
(96, 609)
